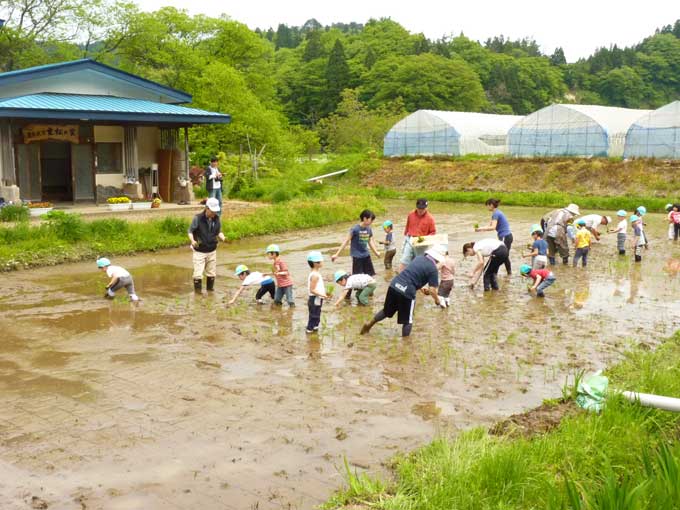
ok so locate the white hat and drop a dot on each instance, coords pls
(213, 204)
(573, 209)
(435, 254)
(609, 219)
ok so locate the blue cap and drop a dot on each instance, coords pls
(622, 213)
(314, 256)
(103, 262)
(525, 269)
(273, 248)
(581, 222)
(536, 228)
(642, 210)
(242, 268)
(634, 218)
(387, 224)
(339, 275)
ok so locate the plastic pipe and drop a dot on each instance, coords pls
(657, 401)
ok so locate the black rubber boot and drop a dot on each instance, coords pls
(565, 261)
(622, 252)
(210, 283)
(552, 260)
(198, 285)
(638, 258)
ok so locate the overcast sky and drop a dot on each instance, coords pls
(579, 26)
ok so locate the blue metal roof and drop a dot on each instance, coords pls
(104, 108)
(47, 70)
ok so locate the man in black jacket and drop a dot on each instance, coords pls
(213, 181)
(204, 233)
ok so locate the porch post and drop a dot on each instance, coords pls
(186, 152)
(130, 153)
(8, 189)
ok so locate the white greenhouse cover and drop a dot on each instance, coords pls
(573, 130)
(656, 134)
(433, 132)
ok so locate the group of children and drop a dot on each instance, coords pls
(279, 284)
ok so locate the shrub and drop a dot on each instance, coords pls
(173, 225)
(14, 213)
(40, 205)
(108, 228)
(200, 192)
(281, 195)
(69, 227)
(118, 200)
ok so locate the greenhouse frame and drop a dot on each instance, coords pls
(573, 130)
(656, 134)
(441, 133)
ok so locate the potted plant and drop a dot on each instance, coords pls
(118, 203)
(156, 203)
(141, 203)
(40, 208)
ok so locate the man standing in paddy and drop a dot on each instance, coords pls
(418, 223)
(204, 233)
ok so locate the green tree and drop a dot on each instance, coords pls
(622, 87)
(337, 75)
(284, 37)
(558, 58)
(371, 58)
(526, 84)
(313, 46)
(353, 127)
(424, 81)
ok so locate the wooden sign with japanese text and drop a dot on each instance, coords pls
(58, 132)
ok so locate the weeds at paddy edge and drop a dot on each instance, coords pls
(627, 457)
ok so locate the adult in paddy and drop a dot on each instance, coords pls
(401, 294)
(419, 223)
(491, 254)
(500, 224)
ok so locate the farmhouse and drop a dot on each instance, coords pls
(81, 130)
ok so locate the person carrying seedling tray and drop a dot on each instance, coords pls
(419, 223)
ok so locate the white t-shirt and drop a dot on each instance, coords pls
(622, 227)
(358, 281)
(216, 184)
(592, 220)
(320, 286)
(116, 272)
(487, 246)
(255, 278)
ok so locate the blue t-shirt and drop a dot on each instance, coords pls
(541, 245)
(358, 247)
(420, 272)
(502, 225)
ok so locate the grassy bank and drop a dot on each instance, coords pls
(68, 238)
(529, 199)
(628, 457)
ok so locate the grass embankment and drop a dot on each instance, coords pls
(68, 238)
(627, 457)
(551, 182)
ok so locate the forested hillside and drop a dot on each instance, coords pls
(338, 87)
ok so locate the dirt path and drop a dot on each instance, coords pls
(183, 404)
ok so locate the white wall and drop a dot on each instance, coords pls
(110, 180)
(148, 142)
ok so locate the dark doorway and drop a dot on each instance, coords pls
(55, 165)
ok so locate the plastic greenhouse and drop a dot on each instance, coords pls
(573, 130)
(432, 133)
(655, 135)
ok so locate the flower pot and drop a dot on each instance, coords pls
(39, 211)
(119, 207)
(141, 205)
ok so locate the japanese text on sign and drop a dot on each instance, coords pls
(39, 132)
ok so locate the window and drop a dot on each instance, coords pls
(109, 158)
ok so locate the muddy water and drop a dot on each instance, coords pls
(183, 403)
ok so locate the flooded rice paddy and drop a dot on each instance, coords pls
(182, 403)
